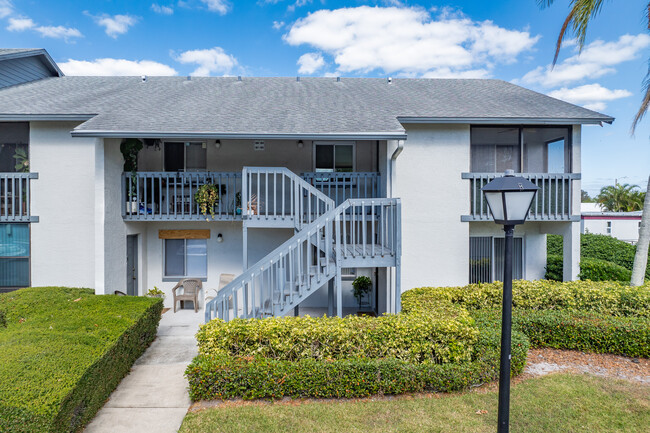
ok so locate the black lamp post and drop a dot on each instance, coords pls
(509, 199)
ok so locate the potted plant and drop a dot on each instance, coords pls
(130, 148)
(156, 293)
(238, 203)
(361, 289)
(207, 196)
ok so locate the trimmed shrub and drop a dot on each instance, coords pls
(601, 247)
(3, 319)
(554, 268)
(588, 332)
(64, 351)
(606, 297)
(602, 270)
(416, 337)
(223, 377)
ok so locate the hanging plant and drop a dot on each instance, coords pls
(207, 196)
(130, 148)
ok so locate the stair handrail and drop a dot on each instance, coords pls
(300, 185)
(330, 221)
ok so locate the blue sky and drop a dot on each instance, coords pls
(511, 40)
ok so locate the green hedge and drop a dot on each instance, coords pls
(587, 332)
(602, 270)
(63, 353)
(223, 377)
(554, 268)
(606, 297)
(601, 247)
(439, 336)
(3, 319)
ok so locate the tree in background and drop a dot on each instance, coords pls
(585, 198)
(621, 197)
(580, 15)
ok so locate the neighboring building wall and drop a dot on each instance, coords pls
(625, 229)
(63, 241)
(427, 177)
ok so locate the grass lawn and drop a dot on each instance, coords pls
(556, 403)
(63, 351)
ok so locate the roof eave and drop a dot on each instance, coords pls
(45, 117)
(507, 120)
(242, 136)
(50, 63)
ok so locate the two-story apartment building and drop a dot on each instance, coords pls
(319, 180)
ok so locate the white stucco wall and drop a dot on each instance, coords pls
(427, 177)
(624, 229)
(63, 197)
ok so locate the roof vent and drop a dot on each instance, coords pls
(238, 77)
(297, 78)
(144, 78)
(338, 79)
(189, 78)
(390, 80)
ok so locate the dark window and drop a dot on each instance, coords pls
(185, 156)
(14, 255)
(486, 259)
(186, 258)
(14, 149)
(334, 158)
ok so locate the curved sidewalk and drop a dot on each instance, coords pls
(153, 397)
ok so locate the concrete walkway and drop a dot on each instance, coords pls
(154, 397)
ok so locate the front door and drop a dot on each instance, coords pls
(132, 265)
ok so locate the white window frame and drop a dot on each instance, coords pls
(203, 143)
(164, 255)
(335, 143)
(608, 228)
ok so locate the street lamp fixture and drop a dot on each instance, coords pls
(509, 199)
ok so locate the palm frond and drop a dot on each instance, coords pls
(644, 103)
(581, 13)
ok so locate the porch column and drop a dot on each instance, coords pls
(100, 208)
(571, 251)
(339, 294)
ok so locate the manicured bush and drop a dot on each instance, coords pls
(554, 268)
(601, 247)
(602, 270)
(223, 377)
(584, 331)
(3, 319)
(64, 351)
(418, 337)
(606, 297)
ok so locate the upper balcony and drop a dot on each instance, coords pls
(15, 197)
(553, 201)
(171, 196)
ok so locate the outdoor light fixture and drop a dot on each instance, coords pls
(300, 144)
(509, 199)
(217, 144)
(219, 238)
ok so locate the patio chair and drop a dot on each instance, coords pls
(191, 288)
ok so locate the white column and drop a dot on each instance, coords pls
(100, 205)
(571, 244)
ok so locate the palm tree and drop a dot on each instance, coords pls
(581, 13)
(621, 198)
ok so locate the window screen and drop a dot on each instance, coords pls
(517, 258)
(486, 259)
(174, 156)
(14, 255)
(495, 150)
(334, 158)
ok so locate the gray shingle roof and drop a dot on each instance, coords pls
(280, 106)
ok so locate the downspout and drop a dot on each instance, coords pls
(393, 158)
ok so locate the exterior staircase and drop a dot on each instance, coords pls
(357, 233)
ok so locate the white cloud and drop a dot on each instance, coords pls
(109, 66)
(277, 25)
(220, 6)
(592, 96)
(115, 25)
(448, 73)
(407, 40)
(59, 32)
(20, 24)
(597, 59)
(6, 8)
(310, 63)
(213, 60)
(163, 10)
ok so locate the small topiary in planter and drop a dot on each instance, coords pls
(362, 286)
